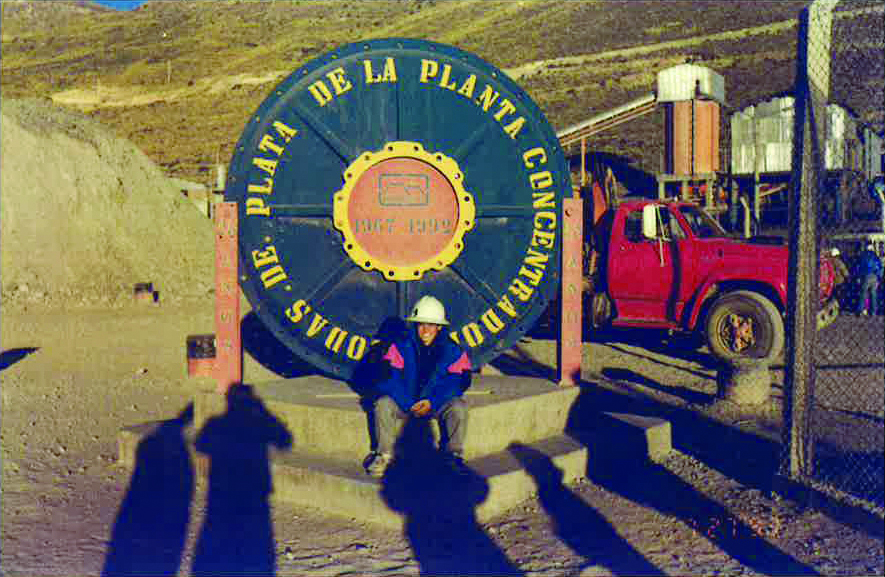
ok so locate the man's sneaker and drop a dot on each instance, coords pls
(378, 464)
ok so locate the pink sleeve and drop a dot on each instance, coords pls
(396, 359)
(461, 365)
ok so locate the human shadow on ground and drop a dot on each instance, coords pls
(678, 346)
(149, 533)
(237, 534)
(751, 459)
(439, 507)
(12, 356)
(688, 395)
(518, 362)
(617, 469)
(269, 352)
(578, 525)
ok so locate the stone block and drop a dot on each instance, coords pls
(745, 382)
(630, 436)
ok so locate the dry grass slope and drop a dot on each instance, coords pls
(180, 79)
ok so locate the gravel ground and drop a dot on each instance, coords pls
(72, 378)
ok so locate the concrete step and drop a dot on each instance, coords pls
(325, 417)
(308, 440)
(412, 487)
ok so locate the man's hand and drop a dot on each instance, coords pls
(420, 408)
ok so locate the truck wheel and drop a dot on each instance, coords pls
(744, 324)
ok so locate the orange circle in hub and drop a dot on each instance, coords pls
(402, 211)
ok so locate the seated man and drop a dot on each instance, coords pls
(428, 374)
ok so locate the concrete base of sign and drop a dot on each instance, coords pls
(517, 428)
(745, 382)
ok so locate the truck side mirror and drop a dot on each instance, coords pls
(649, 221)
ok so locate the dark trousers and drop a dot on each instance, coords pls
(869, 288)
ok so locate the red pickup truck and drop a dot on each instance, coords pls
(670, 265)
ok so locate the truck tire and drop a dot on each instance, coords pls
(744, 324)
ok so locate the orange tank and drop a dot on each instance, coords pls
(692, 137)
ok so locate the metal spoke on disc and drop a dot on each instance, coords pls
(475, 282)
(466, 147)
(402, 299)
(301, 210)
(330, 280)
(343, 149)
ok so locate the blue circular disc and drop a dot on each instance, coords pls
(390, 169)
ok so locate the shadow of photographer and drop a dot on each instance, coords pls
(237, 533)
(151, 525)
(584, 530)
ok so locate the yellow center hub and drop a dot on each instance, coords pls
(403, 211)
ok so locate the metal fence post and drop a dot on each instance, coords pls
(811, 94)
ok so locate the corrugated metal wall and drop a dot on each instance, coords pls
(767, 129)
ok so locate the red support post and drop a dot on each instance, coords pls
(229, 346)
(569, 349)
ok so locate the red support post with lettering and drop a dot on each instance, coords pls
(228, 342)
(568, 347)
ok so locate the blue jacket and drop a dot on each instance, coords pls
(869, 263)
(449, 377)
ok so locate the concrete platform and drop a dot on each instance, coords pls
(315, 435)
(325, 416)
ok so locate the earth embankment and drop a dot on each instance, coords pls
(86, 215)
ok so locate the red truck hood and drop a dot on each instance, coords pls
(764, 262)
(774, 259)
(776, 254)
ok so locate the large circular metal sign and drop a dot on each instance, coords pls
(391, 169)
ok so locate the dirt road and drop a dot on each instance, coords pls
(72, 379)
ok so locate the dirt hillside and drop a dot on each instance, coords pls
(85, 214)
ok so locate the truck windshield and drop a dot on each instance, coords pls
(702, 224)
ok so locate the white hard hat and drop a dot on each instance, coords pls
(834, 252)
(428, 310)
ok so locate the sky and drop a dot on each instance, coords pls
(121, 4)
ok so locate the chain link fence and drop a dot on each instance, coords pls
(835, 374)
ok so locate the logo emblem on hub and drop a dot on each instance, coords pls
(403, 189)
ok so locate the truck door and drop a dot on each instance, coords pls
(642, 271)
